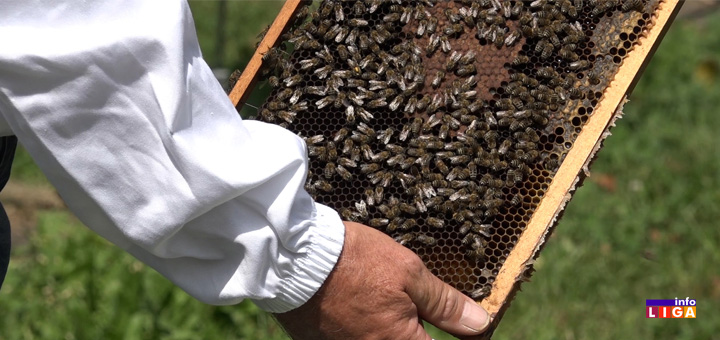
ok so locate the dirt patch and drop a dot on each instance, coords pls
(22, 203)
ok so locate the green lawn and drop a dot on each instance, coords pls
(652, 235)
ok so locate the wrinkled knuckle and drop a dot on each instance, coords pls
(452, 307)
(412, 262)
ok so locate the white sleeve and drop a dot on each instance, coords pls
(116, 105)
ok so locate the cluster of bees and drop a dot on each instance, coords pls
(427, 120)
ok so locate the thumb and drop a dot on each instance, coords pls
(445, 307)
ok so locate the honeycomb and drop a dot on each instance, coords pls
(442, 123)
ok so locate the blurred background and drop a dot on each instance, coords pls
(644, 225)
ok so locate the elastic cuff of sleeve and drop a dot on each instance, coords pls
(311, 270)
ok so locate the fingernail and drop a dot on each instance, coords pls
(474, 317)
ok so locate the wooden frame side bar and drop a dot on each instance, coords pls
(576, 160)
(244, 85)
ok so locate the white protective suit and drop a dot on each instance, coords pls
(116, 105)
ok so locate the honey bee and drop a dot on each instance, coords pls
(482, 291)
(504, 147)
(364, 148)
(392, 17)
(629, 5)
(357, 22)
(439, 182)
(394, 160)
(325, 55)
(390, 212)
(379, 36)
(292, 81)
(342, 50)
(442, 191)
(393, 225)
(275, 105)
(435, 222)
(308, 63)
(427, 190)
(514, 177)
(420, 204)
(453, 29)
(342, 171)
(365, 115)
(323, 186)
(378, 222)
(593, 77)
(406, 180)
(407, 208)
(575, 93)
(442, 167)
(348, 214)
(407, 163)
(395, 103)
(465, 228)
(466, 70)
(424, 160)
(461, 159)
(310, 44)
(370, 197)
(374, 4)
(568, 54)
(408, 224)
(342, 34)
(385, 178)
(284, 94)
(451, 122)
(434, 202)
(602, 7)
(426, 240)
(299, 107)
(369, 168)
(406, 239)
(317, 151)
(551, 164)
(439, 75)
(346, 162)
(331, 151)
(377, 103)
(579, 65)
(296, 96)
(323, 102)
(472, 240)
(274, 81)
(445, 44)
(482, 229)
(287, 116)
(348, 147)
(315, 90)
(361, 208)
(459, 216)
(547, 72)
(452, 15)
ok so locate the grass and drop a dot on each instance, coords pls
(67, 283)
(651, 235)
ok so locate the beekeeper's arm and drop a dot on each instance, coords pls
(114, 102)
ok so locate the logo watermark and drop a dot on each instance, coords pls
(671, 309)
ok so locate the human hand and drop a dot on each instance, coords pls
(381, 290)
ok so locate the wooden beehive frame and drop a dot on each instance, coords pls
(571, 171)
